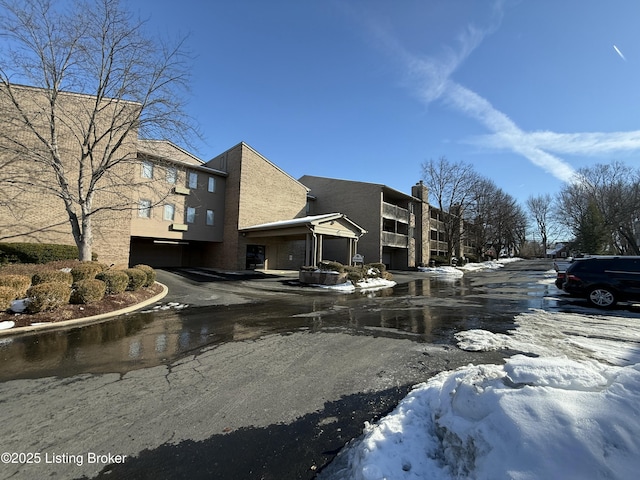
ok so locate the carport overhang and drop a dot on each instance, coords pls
(314, 229)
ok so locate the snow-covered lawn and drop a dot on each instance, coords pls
(569, 408)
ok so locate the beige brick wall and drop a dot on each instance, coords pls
(33, 212)
(159, 192)
(257, 192)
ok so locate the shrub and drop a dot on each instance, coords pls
(88, 291)
(18, 283)
(86, 271)
(116, 281)
(48, 276)
(137, 278)
(355, 274)
(26, 269)
(47, 296)
(36, 252)
(331, 266)
(151, 274)
(7, 295)
(381, 267)
(439, 261)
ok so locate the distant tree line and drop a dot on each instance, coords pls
(597, 213)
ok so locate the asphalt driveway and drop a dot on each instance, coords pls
(296, 376)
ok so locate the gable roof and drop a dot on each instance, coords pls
(331, 224)
(170, 152)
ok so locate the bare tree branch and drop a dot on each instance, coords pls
(83, 144)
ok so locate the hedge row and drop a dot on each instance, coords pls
(37, 252)
(86, 282)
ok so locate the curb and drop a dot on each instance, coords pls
(76, 322)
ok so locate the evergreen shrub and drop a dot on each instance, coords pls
(137, 278)
(47, 296)
(47, 276)
(86, 271)
(18, 283)
(36, 252)
(331, 266)
(7, 295)
(88, 291)
(116, 281)
(151, 274)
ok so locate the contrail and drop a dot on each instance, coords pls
(619, 53)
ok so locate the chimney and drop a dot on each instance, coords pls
(420, 191)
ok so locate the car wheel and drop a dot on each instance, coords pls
(602, 297)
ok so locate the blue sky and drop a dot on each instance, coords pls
(526, 91)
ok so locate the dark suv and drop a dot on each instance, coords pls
(603, 281)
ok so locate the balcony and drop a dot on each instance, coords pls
(395, 212)
(178, 190)
(390, 239)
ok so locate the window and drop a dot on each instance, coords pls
(193, 180)
(210, 217)
(147, 169)
(144, 209)
(212, 184)
(172, 174)
(169, 212)
(191, 215)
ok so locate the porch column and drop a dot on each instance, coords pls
(318, 249)
(308, 246)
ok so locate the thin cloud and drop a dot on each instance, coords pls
(508, 134)
(583, 144)
(619, 53)
(432, 81)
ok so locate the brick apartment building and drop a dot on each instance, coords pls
(393, 220)
(236, 211)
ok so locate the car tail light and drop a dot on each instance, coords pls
(573, 278)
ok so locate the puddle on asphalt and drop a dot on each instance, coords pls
(425, 310)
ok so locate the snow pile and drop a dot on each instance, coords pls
(573, 412)
(346, 287)
(444, 271)
(490, 265)
(7, 324)
(457, 272)
(532, 418)
(364, 286)
(371, 284)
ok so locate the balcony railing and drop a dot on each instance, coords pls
(395, 212)
(390, 239)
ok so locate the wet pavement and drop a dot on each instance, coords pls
(247, 377)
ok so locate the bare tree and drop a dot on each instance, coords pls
(602, 208)
(126, 83)
(541, 210)
(450, 185)
(497, 223)
(480, 214)
(508, 224)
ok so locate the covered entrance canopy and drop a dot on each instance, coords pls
(313, 229)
